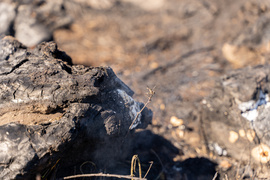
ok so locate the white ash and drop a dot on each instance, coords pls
(134, 107)
(217, 149)
(249, 109)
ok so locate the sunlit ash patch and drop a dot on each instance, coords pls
(249, 109)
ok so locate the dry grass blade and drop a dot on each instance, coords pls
(50, 170)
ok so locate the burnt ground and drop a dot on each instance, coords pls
(174, 46)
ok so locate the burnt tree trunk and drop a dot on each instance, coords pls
(49, 108)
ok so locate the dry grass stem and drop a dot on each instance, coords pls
(135, 158)
(103, 175)
(151, 164)
(216, 174)
(50, 170)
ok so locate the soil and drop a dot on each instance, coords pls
(172, 47)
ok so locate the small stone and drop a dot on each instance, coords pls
(250, 135)
(154, 65)
(181, 133)
(233, 136)
(261, 153)
(241, 56)
(242, 133)
(175, 121)
(225, 165)
(162, 106)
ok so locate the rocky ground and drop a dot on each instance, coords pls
(182, 50)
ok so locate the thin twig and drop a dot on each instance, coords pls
(104, 175)
(151, 164)
(150, 95)
(216, 174)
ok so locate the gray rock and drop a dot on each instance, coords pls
(28, 30)
(7, 16)
(33, 22)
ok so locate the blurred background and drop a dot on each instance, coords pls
(178, 47)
